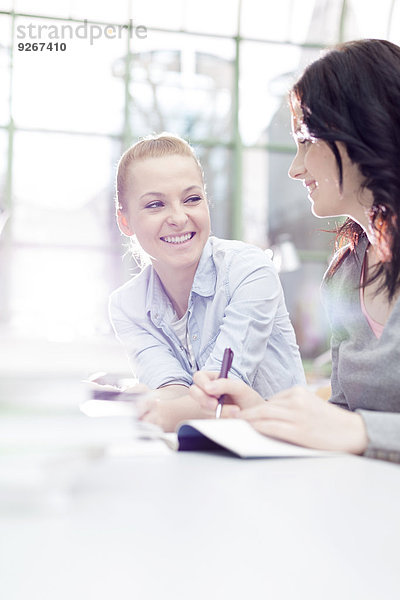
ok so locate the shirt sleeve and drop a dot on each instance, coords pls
(255, 295)
(151, 358)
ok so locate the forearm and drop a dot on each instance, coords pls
(151, 357)
(167, 413)
(184, 407)
(172, 390)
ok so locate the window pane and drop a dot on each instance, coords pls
(290, 211)
(183, 84)
(111, 12)
(77, 9)
(263, 90)
(59, 294)
(202, 16)
(217, 165)
(3, 176)
(280, 22)
(43, 7)
(5, 45)
(6, 4)
(364, 18)
(73, 90)
(157, 13)
(255, 197)
(4, 233)
(394, 24)
(299, 21)
(63, 190)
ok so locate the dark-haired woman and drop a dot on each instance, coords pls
(346, 123)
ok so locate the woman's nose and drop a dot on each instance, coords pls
(297, 169)
(177, 215)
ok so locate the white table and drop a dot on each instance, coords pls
(202, 526)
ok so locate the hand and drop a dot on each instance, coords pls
(301, 417)
(168, 413)
(162, 407)
(163, 413)
(208, 387)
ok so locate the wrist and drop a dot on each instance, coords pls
(359, 437)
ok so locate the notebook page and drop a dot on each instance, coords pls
(242, 439)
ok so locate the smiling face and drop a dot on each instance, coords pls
(315, 165)
(167, 209)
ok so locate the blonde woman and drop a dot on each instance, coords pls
(198, 294)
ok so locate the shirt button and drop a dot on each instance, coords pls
(156, 315)
(194, 337)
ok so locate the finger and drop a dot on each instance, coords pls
(230, 411)
(151, 417)
(267, 411)
(145, 406)
(280, 430)
(298, 400)
(289, 432)
(202, 378)
(230, 387)
(204, 400)
(291, 392)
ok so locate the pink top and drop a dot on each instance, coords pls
(376, 327)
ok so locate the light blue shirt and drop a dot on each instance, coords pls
(236, 301)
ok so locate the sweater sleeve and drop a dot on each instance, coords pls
(383, 430)
(337, 397)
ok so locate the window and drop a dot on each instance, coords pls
(217, 77)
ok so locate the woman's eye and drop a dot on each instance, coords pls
(193, 199)
(307, 139)
(155, 204)
(302, 139)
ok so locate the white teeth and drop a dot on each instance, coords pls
(177, 239)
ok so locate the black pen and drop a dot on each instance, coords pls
(226, 365)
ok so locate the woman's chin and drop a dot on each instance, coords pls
(318, 213)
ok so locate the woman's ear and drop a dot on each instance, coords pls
(123, 223)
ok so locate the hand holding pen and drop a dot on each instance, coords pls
(226, 365)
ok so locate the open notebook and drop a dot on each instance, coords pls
(238, 437)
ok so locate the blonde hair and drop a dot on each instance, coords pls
(151, 146)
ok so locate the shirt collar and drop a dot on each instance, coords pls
(157, 303)
(205, 278)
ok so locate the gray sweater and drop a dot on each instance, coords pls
(365, 370)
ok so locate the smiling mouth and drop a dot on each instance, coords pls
(311, 186)
(178, 239)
